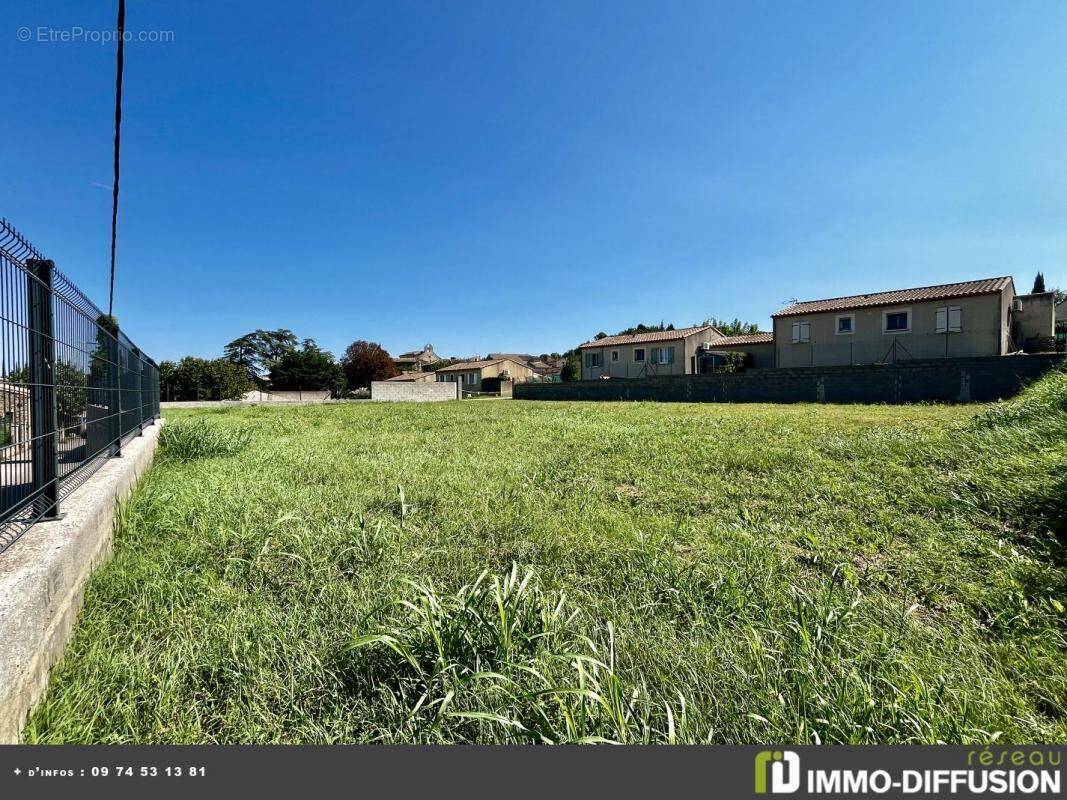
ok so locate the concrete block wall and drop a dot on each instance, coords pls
(412, 392)
(946, 380)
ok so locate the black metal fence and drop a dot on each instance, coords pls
(74, 388)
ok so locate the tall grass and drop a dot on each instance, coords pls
(197, 438)
(583, 572)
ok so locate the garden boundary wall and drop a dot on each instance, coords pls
(415, 392)
(953, 380)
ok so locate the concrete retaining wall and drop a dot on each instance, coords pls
(415, 392)
(243, 403)
(946, 380)
(43, 574)
(300, 396)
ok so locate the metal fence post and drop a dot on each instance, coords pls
(42, 380)
(116, 418)
(140, 392)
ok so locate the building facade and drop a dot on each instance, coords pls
(471, 374)
(417, 360)
(642, 355)
(973, 318)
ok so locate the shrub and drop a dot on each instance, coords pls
(735, 362)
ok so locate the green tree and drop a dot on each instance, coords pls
(735, 327)
(256, 352)
(195, 378)
(308, 367)
(572, 367)
(1039, 284)
(640, 327)
(364, 362)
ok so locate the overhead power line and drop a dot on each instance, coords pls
(120, 27)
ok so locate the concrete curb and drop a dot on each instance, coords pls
(249, 403)
(42, 578)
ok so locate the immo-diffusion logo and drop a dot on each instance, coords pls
(784, 769)
(1018, 771)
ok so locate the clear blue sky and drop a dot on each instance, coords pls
(518, 176)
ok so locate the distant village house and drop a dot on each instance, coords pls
(417, 360)
(484, 375)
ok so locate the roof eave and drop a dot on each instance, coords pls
(680, 335)
(802, 312)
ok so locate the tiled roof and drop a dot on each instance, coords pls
(410, 355)
(649, 336)
(943, 291)
(520, 357)
(761, 337)
(412, 376)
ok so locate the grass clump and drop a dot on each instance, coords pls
(189, 440)
(565, 572)
(500, 652)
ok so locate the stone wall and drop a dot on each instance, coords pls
(414, 392)
(945, 380)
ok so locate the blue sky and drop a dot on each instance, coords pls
(518, 176)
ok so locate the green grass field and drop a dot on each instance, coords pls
(553, 572)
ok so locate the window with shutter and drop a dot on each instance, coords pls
(670, 354)
(948, 319)
(801, 332)
(655, 355)
(955, 318)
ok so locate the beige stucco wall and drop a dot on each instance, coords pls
(626, 367)
(985, 332)
(518, 373)
(1035, 318)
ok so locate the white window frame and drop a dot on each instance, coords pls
(593, 356)
(614, 355)
(643, 353)
(837, 325)
(797, 330)
(885, 321)
(661, 356)
(948, 327)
